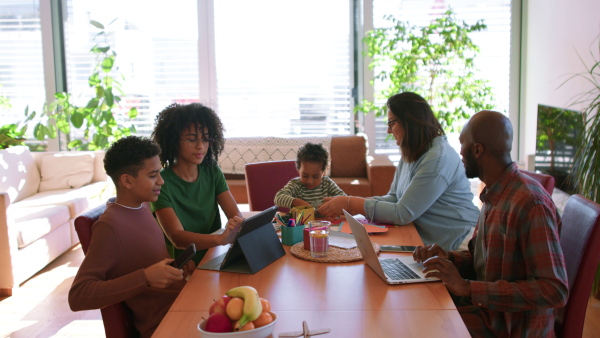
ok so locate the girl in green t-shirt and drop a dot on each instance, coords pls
(191, 139)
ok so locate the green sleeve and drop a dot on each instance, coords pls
(220, 182)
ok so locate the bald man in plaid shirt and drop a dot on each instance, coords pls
(513, 275)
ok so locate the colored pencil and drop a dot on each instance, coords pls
(306, 219)
(278, 216)
(299, 218)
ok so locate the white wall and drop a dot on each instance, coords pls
(554, 32)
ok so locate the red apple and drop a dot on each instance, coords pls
(218, 322)
(219, 305)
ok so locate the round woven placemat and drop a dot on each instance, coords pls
(335, 254)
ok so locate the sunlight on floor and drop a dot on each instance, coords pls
(39, 308)
(82, 328)
(9, 327)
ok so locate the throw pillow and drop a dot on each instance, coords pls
(19, 175)
(66, 171)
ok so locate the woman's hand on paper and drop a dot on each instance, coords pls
(333, 206)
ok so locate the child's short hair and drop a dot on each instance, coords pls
(312, 152)
(127, 156)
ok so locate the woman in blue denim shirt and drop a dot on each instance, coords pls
(430, 187)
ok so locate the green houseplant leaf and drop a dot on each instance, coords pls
(97, 119)
(12, 135)
(586, 164)
(436, 61)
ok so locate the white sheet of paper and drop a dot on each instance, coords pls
(341, 240)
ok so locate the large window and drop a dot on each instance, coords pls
(283, 67)
(21, 60)
(494, 43)
(268, 67)
(275, 75)
(157, 52)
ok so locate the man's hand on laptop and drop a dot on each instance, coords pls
(232, 227)
(423, 253)
(445, 270)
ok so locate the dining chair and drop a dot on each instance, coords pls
(580, 242)
(117, 318)
(265, 179)
(546, 181)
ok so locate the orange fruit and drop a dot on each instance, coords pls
(235, 308)
(262, 320)
(266, 306)
(249, 326)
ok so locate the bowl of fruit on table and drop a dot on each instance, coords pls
(240, 313)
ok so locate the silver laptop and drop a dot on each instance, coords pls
(399, 270)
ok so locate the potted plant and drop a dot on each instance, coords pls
(557, 131)
(586, 167)
(13, 134)
(436, 61)
(98, 119)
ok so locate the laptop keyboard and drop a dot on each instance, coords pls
(397, 270)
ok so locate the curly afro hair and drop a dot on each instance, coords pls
(312, 152)
(176, 118)
(127, 156)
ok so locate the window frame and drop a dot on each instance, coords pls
(361, 75)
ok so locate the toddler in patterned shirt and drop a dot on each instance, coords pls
(312, 186)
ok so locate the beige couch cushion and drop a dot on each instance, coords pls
(66, 171)
(77, 200)
(19, 176)
(37, 222)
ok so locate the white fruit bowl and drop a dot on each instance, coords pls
(261, 332)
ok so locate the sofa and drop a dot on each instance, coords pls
(355, 171)
(41, 194)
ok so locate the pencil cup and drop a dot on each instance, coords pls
(306, 212)
(291, 235)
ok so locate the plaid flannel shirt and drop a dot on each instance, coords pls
(525, 276)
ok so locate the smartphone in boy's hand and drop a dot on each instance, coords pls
(185, 256)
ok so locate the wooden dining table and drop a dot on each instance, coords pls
(348, 298)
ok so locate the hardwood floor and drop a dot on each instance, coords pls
(39, 307)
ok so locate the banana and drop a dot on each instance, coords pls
(252, 304)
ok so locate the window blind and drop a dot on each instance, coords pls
(283, 67)
(21, 60)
